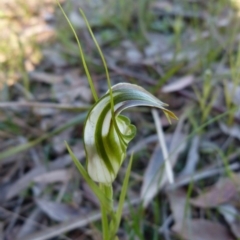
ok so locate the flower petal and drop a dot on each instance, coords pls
(106, 138)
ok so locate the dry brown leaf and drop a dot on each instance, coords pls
(44, 112)
(162, 5)
(58, 141)
(61, 175)
(157, 44)
(233, 131)
(62, 228)
(134, 56)
(178, 201)
(45, 77)
(232, 217)
(58, 211)
(223, 191)
(26, 180)
(73, 87)
(201, 229)
(76, 19)
(142, 143)
(185, 55)
(54, 57)
(30, 225)
(155, 176)
(192, 158)
(178, 84)
(79, 222)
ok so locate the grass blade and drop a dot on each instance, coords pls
(90, 81)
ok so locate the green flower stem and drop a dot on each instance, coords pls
(104, 224)
(108, 192)
(123, 194)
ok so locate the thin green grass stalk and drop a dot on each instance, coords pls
(204, 97)
(107, 231)
(94, 93)
(234, 67)
(208, 107)
(192, 120)
(121, 19)
(177, 28)
(232, 38)
(189, 192)
(228, 102)
(225, 163)
(123, 13)
(156, 215)
(103, 60)
(123, 193)
(142, 11)
(105, 226)
(136, 223)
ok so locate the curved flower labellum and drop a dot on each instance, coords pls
(106, 137)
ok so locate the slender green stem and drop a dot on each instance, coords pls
(105, 227)
(104, 224)
(94, 93)
(123, 194)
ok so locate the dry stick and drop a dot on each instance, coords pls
(162, 143)
(43, 105)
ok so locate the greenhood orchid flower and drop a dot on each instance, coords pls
(107, 133)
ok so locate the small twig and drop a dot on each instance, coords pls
(43, 105)
(162, 143)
